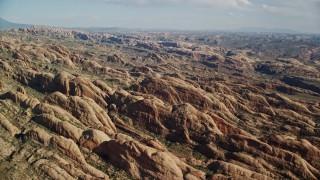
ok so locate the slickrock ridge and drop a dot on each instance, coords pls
(85, 109)
(140, 160)
(5, 123)
(148, 105)
(20, 98)
(60, 127)
(68, 148)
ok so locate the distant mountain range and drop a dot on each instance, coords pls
(240, 30)
(265, 30)
(4, 25)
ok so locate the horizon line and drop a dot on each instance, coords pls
(245, 29)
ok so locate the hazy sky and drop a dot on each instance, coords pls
(300, 15)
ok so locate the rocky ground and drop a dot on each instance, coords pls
(77, 105)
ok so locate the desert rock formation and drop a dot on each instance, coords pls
(157, 106)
